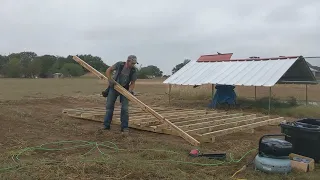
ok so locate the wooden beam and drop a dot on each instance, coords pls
(181, 120)
(207, 128)
(236, 123)
(169, 115)
(213, 125)
(240, 128)
(143, 106)
(172, 114)
(100, 112)
(195, 117)
(134, 125)
(135, 110)
(137, 122)
(207, 119)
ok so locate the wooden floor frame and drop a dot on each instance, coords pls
(203, 125)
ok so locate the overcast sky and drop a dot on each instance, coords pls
(161, 32)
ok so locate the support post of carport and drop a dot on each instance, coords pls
(169, 93)
(212, 93)
(306, 94)
(212, 90)
(255, 93)
(269, 100)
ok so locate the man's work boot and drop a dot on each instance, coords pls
(106, 127)
(125, 131)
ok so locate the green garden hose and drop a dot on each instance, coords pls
(107, 144)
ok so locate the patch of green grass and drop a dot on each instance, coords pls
(288, 108)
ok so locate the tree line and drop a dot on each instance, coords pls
(30, 65)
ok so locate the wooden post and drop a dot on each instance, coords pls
(306, 94)
(212, 90)
(269, 100)
(255, 93)
(212, 94)
(170, 86)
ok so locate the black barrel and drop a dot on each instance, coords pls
(304, 135)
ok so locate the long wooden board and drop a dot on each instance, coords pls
(143, 106)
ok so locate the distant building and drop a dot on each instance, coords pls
(57, 75)
(150, 76)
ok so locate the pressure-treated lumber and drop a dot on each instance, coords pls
(143, 106)
(244, 127)
(206, 119)
(211, 135)
(205, 129)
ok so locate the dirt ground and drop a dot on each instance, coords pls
(31, 115)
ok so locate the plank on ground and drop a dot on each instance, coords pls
(185, 119)
(132, 121)
(175, 119)
(136, 120)
(231, 124)
(77, 111)
(207, 119)
(136, 113)
(167, 114)
(132, 124)
(209, 137)
(132, 113)
(201, 128)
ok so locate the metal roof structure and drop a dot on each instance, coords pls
(245, 72)
(314, 70)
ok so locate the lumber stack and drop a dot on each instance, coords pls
(203, 125)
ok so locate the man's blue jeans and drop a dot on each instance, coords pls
(124, 116)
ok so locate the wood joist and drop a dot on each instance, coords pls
(203, 125)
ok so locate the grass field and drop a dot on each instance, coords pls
(31, 115)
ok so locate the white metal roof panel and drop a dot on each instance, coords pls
(314, 70)
(246, 73)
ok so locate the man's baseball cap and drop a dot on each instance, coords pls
(133, 58)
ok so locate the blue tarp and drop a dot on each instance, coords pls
(224, 94)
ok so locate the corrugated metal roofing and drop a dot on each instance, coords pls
(314, 70)
(242, 73)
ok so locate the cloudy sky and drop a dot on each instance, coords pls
(161, 32)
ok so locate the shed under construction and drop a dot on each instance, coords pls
(193, 125)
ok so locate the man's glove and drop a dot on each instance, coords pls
(111, 83)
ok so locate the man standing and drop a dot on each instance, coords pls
(126, 76)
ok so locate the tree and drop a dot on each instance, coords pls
(94, 61)
(13, 68)
(3, 61)
(151, 70)
(71, 69)
(30, 65)
(34, 68)
(46, 63)
(179, 66)
(25, 59)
